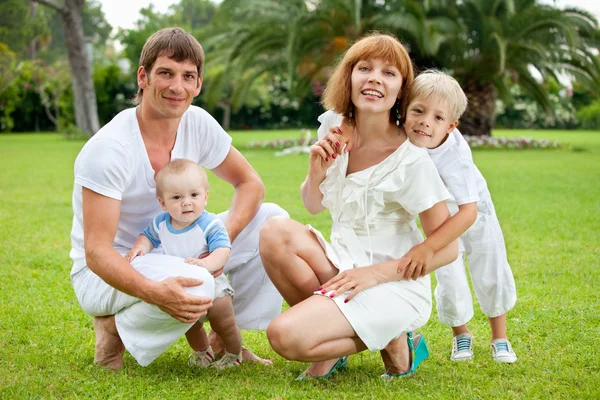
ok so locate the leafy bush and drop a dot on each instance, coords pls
(590, 116)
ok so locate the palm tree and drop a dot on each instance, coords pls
(519, 42)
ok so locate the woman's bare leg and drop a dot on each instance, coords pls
(293, 259)
(314, 330)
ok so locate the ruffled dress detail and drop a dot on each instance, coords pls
(374, 213)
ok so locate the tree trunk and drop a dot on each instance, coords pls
(479, 118)
(226, 121)
(84, 95)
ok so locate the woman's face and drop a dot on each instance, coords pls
(376, 85)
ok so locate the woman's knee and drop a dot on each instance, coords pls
(275, 234)
(280, 333)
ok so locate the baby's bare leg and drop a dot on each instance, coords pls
(197, 338)
(222, 321)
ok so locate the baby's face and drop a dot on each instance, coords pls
(184, 196)
(428, 122)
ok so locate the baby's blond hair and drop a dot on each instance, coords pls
(441, 86)
(178, 166)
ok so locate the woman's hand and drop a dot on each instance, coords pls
(325, 151)
(354, 280)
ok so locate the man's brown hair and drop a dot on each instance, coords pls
(174, 43)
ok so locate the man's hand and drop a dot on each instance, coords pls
(415, 262)
(170, 296)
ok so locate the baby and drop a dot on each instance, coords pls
(187, 230)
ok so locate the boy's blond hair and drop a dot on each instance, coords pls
(178, 166)
(440, 86)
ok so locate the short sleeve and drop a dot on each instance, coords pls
(218, 237)
(422, 188)
(203, 139)
(151, 232)
(459, 177)
(328, 120)
(104, 166)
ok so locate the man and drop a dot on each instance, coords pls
(147, 305)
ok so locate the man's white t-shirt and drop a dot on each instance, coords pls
(454, 162)
(115, 164)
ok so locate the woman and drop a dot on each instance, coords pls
(374, 194)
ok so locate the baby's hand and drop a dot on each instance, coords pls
(197, 261)
(133, 253)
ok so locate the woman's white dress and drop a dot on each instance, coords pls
(374, 214)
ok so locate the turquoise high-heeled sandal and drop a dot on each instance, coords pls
(417, 355)
(340, 364)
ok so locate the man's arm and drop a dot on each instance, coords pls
(249, 191)
(100, 222)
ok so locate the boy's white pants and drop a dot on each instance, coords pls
(490, 272)
(147, 331)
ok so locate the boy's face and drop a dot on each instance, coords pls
(184, 197)
(428, 122)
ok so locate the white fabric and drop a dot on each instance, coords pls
(454, 162)
(114, 163)
(255, 304)
(192, 241)
(491, 275)
(483, 242)
(374, 214)
(145, 330)
(206, 233)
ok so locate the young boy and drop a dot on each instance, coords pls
(436, 103)
(187, 230)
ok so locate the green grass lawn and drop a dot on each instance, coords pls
(548, 202)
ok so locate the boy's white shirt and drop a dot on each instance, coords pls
(454, 162)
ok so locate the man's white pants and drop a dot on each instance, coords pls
(147, 331)
(490, 273)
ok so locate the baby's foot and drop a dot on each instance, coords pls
(201, 358)
(109, 347)
(229, 360)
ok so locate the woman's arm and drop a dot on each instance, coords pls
(359, 279)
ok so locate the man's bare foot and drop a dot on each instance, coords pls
(319, 368)
(109, 347)
(396, 356)
(249, 356)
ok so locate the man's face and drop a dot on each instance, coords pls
(169, 88)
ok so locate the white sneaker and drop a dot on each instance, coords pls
(228, 360)
(502, 351)
(462, 347)
(202, 358)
